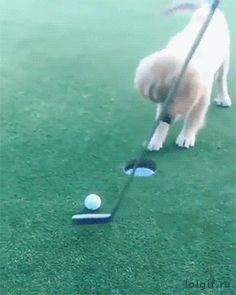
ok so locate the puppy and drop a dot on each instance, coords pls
(157, 72)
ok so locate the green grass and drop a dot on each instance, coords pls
(70, 120)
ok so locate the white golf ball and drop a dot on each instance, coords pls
(92, 202)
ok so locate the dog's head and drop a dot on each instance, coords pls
(156, 74)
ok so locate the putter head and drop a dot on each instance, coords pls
(91, 218)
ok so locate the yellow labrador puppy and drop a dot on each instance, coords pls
(156, 73)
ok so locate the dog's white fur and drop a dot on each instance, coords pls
(156, 73)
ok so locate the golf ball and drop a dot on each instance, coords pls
(92, 202)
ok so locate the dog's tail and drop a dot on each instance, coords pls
(185, 6)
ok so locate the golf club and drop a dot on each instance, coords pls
(96, 218)
(91, 218)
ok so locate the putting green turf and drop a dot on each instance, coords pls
(70, 120)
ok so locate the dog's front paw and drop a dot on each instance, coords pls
(185, 141)
(223, 101)
(155, 144)
(159, 137)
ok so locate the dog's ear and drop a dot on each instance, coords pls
(190, 85)
(188, 93)
(158, 93)
(152, 93)
(164, 73)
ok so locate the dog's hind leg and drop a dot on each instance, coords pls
(194, 120)
(223, 98)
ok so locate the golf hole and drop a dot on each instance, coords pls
(144, 167)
